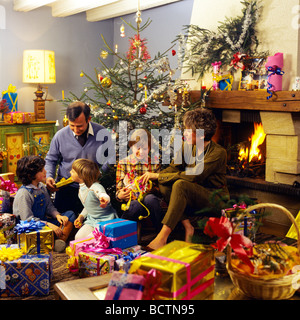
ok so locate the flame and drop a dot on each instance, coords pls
(256, 139)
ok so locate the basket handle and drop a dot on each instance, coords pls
(282, 209)
(275, 206)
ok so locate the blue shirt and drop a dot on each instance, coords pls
(90, 198)
(65, 149)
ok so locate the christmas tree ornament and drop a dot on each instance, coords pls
(106, 82)
(108, 103)
(122, 31)
(140, 85)
(81, 74)
(143, 110)
(103, 54)
(173, 53)
(100, 78)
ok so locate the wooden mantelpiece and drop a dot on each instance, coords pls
(284, 101)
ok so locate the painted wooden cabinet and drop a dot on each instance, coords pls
(15, 136)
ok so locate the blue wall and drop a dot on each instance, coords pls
(77, 44)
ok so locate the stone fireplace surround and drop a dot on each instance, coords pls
(280, 117)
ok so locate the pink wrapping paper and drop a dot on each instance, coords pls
(123, 286)
(78, 245)
(276, 79)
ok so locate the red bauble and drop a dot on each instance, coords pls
(143, 110)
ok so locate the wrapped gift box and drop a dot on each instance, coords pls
(36, 242)
(121, 233)
(19, 117)
(29, 275)
(186, 271)
(123, 286)
(94, 264)
(7, 224)
(11, 97)
(73, 250)
(123, 263)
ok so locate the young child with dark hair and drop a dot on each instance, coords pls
(33, 200)
(96, 201)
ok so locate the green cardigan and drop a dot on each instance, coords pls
(211, 174)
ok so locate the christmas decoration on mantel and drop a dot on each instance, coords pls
(234, 40)
(136, 88)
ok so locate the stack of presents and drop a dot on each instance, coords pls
(177, 271)
(12, 115)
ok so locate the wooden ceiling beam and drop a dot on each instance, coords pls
(123, 7)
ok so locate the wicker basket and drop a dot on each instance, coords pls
(260, 288)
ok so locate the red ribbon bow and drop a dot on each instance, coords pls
(222, 227)
(236, 61)
(152, 283)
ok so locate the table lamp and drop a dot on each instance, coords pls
(39, 67)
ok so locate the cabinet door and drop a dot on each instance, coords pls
(42, 134)
(13, 138)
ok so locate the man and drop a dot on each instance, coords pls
(80, 139)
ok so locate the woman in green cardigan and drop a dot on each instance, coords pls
(190, 183)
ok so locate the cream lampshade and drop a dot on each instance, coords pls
(39, 67)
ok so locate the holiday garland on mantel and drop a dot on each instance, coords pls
(199, 47)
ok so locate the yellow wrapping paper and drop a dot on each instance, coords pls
(292, 232)
(29, 243)
(19, 117)
(175, 282)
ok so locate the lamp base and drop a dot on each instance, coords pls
(39, 104)
(39, 110)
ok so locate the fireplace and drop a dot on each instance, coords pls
(278, 179)
(245, 143)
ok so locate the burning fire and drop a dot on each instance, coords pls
(256, 139)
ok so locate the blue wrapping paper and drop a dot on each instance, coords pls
(29, 275)
(122, 233)
(11, 97)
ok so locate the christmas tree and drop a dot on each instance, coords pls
(138, 89)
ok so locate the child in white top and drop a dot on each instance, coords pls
(96, 201)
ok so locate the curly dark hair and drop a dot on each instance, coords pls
(201, 118)
(28, 167)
